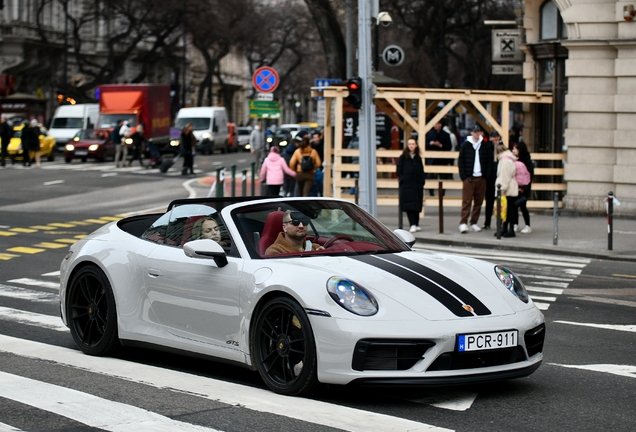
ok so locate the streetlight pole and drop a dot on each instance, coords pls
(368, 181)
(65, 77)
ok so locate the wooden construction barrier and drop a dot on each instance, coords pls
(484, 106)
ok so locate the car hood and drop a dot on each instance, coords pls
(434, 286)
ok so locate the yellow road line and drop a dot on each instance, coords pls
(51, 245)
(7, 234)
(7, 257)
(61, 225)
(64, 240)
(624, 275)
(110, 218)
(43, 227)
(95, 221)
(79, 222)
(81, 236)
(25, 250)
(23, 230)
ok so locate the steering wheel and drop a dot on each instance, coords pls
(335, 238)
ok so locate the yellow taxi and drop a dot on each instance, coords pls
(47, 144)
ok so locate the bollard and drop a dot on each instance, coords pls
(440, 194)
(357, 193)
(498, 212)
(219, 182)
(555, 236)
(253, 176)
(233, 182)
(244, 183)
(610, 219)
(401, 216)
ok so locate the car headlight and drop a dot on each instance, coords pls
(512, 283)
(282, 143)
(93, 147)
(205, 135)
(128, 141)
(270, 139)
(174, 143)
(352, 296)
(69, 147)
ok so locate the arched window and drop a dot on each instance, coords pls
(552, 26)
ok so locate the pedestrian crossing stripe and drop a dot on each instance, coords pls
(61, 225)
(65, 240)
(25, 250)
(43, 227)
(50, 245)
(7, 233)
(7, 257)
(23, 230)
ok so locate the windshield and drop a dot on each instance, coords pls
(108, 121)
(332, 227)
(91, 134)
(243, 131)
(198, 123)
(67, 123)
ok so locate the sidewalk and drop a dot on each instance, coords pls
(585, 236)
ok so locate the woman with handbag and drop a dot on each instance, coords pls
(506, 173)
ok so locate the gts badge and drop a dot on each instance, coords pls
(231, 342)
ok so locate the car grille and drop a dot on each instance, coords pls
(534, 340)
(477, 359)
(392, 355)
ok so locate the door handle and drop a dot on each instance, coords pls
(152, 272)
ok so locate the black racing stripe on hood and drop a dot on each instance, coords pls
(450, 285)
(442, 296)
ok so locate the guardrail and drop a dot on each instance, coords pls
(548, 178)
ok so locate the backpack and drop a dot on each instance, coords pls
(307, 163)
(522, 174)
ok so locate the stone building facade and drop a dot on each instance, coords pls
(584, 51)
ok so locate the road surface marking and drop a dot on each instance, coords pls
(7, 233)
(51, 245)
(27, 294)
(87, 409)
(24, 230)
(627, 328)
(7, 428)
(607, 301)
(322, 413)
(622, 370)
(455, 401)
(542, 306)
(624, 276)
(53, 182)
(25, 250)
(548, 299)
(30, 318)
(556, 291)
(36, 282)
(53, 273)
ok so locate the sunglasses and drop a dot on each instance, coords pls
(297, 218)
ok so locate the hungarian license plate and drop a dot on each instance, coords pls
(487, 341)
(81, 152)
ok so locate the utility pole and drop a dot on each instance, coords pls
(368, 181)
(349, 37)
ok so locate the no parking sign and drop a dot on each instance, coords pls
(265, 79)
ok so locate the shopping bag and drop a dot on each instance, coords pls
(504, 208)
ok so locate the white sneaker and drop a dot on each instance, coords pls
(515, 228)
(526, 230)
(463, 228)
(417, 228)
(475, 228)
(413, 228)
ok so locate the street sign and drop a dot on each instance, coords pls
(506, 46)
(506, 70)
(265, 79)
(264, 109)
(265, 96)
(321, 83)
(393, 55)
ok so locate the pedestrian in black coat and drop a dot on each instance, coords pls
(6, 132)
(410, 172)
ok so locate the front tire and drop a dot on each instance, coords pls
(284, 348)
(92, 313)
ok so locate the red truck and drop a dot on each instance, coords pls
(137, 103)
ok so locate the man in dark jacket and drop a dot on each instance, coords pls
(438, 140)
(6, 131)
(475, 163)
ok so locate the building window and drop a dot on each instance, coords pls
(552, 26)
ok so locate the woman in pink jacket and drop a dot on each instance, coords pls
(273, 171)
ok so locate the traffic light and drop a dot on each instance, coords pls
(355, 92)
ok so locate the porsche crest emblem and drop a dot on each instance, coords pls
(469, 308)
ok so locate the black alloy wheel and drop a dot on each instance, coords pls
(284, 348)
(91, 312)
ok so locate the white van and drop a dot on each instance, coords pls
(70, 119)
(210, 127)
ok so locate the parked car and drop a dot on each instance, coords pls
(361, 308)
(243, 134)
(210, 127)
(294, 128)
(90, 144)
(47, 144)
(280, 137)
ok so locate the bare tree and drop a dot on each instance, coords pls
(330, 31)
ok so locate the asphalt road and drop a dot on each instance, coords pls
(587, 381)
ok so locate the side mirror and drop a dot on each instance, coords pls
(206, 248)
(405, 236)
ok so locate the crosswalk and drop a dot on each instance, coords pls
(545, 277)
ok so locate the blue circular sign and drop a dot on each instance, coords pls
(265, 79)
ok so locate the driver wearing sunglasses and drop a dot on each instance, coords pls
(293, 237)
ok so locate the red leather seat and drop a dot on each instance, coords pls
(273, 226)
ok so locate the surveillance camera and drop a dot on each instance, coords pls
(384, 19)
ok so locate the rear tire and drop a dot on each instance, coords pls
(91, 312)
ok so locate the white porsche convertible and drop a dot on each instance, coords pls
(352, 304)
